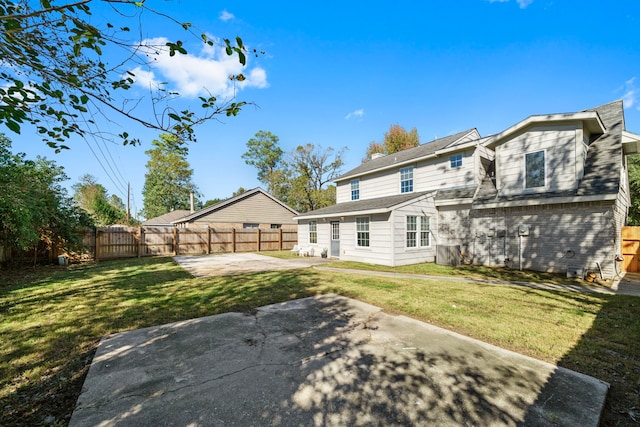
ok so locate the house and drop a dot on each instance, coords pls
(252, 209)
(549, 193)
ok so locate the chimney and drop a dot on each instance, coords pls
(191, 201)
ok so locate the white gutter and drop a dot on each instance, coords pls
(550, 201)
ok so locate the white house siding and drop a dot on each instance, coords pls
(563, 235)
(454, 226)
(404, 255)
(427, 175)
(323, 229)
(438, 174)
(559, 143)
(379, 250)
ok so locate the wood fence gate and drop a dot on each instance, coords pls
(631, 249)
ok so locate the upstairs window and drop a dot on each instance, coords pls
(406, 180)
(534, 170)
(455, 161)
(313, 232)
(355, 189)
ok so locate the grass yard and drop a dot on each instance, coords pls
(52, 319)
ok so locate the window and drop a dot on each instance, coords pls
(355, 189)
(412, 227)
(406, 180)
(250, 225)
(412, 231)
(456, 161)
(424, 231)
(313, 232)
(534, 175)
(362, 232)
(276, 226)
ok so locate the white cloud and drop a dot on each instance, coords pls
(523, 3)
(357, 113)
(630, 95)
(226, 16)
(198, 73)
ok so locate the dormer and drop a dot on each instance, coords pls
(545, 153)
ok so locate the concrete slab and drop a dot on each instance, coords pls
(240, 263)
(320, 361)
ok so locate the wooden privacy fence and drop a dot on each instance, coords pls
(129, 242)
(631, 249)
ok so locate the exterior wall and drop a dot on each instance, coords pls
(427, 175)
(199, 224)
(380, 234)
(256, 209)
(563, 145)
(454, 226)
(324, 241)
(404, 255)
(574, 234)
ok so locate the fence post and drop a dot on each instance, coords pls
(208, 239)
(176, 241)
(258, 238)
(140, 240)
(233, 240)
(280, 239)
(97, 240)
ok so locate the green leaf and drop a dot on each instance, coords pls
(15, 127)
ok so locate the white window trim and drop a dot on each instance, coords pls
(412, 179)
(369, 231)
(451, 158)
(407, 231)
(316, 231)
(356, 180)
(418, 231)
(524, 171)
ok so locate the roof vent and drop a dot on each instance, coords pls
(377, 155)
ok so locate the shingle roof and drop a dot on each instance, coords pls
(404, 156)
(382, 203)
(456, 193)
(601, 170)
(167, 218)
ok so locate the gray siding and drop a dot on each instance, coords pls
(559, 143)
(258, 209)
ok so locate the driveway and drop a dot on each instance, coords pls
(241, 263)
(324, 361)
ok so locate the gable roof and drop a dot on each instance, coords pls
(601, 179)
(364, 207)
(221, 205)
(411, 155)
(168, 218)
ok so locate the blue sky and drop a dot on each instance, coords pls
(339, 74)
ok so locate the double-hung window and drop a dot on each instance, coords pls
(534, 169)
(355, 189)
(406, 179)
(455, 161)
(417, 231)
(313, 232)
(412, 230)
(362, 232)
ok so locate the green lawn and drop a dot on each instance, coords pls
(53, 318)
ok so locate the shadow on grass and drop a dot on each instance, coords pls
(52, 325)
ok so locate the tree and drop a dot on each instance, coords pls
(61, 69)
(312, 168)
(396, 139)
(265, 154)
(168, 179)
(239, 191)
(34, 206)
(94, 199)
(633, 163)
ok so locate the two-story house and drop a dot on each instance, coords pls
(549, 193)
